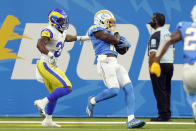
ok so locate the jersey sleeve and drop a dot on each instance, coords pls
(47, 33)
(183, 25)
(154, 42)
(180, 26)
(94, 29)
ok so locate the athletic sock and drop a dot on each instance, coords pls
(57, 93)
(131, 117)
(49, 117)
(106, 94)
(51, 106)
(129, 98)
(54, 96)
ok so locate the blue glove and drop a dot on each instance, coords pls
(124, 42)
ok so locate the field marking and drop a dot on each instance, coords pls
(92, 122)
(56, 128)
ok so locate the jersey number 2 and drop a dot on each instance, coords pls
(190, 39)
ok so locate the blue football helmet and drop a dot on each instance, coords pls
(59, 19)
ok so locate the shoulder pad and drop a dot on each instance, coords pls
(94, 28)
(47, 33)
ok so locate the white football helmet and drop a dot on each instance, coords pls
(105, 19)
(193, 13)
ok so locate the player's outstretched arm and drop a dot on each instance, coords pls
(108, 38)
(175, 37)
(70, 38)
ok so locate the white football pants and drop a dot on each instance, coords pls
(189, 78)
(113, 74)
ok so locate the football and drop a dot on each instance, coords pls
(123, 50)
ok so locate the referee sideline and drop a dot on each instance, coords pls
(90, 122)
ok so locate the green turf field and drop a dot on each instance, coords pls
(90, 124)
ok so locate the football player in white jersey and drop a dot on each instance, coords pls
(107, 45)
(186, 31)
(51, 43)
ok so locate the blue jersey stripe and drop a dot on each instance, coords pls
(51, 34)
(54, 74)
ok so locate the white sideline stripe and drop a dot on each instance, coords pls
(96, 122)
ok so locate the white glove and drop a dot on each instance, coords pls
(51, 58)
(83, 38)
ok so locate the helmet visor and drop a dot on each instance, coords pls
(111, 24)
(63, 22)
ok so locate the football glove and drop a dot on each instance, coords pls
(124, 42)
(123, 46)
(51, 58)
(155, 69)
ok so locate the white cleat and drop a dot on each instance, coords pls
(194, 111)
(49, 123)
(40, 106)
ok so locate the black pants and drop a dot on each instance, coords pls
(162, 89)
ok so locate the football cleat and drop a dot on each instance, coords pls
(49, 123)
(135, 123)
(90, 108)
(40, 106)
(194, 111)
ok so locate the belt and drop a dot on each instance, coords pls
(111, 55)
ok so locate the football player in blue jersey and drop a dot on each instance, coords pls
(51, 43)
(186, 31)
(107, 45)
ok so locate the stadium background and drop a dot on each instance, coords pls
(18, 92)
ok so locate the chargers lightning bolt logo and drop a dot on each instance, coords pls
(6, 33)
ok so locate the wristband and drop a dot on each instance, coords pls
(83, 38)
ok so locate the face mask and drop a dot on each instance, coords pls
(152, 24)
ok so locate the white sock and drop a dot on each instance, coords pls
(45, 100)
(48, 117)
(131, 117)
(93, 101)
